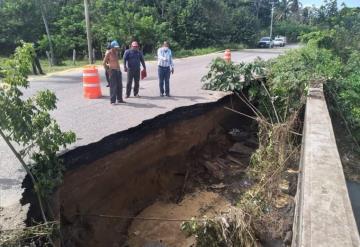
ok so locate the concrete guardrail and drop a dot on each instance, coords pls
(323, 215)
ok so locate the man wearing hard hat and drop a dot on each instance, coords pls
(132, 59)
(111, 62)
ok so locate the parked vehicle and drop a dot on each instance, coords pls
(280, 41)
(266, 42)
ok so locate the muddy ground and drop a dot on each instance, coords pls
(216, 180)
(136, 187)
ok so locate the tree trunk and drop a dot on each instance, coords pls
(257, 8)
(33, 180)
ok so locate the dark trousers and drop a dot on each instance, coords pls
(36, 65)
(164, 78)
(133, 74)
(115, 85)
(107, 76)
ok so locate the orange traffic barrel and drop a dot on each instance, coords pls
(91, 82)
(227, 55)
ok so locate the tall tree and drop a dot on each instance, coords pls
(294, 6)
(283, 9)
(20, 20)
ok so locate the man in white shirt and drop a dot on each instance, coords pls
(165, 66)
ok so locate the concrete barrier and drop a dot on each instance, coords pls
(323, 215)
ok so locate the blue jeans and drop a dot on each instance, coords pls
(164, 78)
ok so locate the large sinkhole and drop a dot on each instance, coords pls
(135, 187)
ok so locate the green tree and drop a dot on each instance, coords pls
(283, 10)
(20, 20)
(70, 32)
(26, 121)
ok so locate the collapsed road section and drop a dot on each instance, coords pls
(136, 187)
(130, 170)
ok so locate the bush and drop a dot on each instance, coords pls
(61, 46)
(225, 76)
(289, 75)
(292, 30)
(228, 230)
(346, 94)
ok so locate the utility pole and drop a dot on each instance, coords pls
(272, 15)
(42, 10)
(88, 33)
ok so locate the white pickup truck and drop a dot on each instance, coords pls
(280, 41)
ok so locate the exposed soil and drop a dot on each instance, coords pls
(149, 163)
(217, 180)
(166, 229)
(214, 180)
(188, 163)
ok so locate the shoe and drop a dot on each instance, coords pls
(162, 95)
(107, 85)
(168, 95)
(137, 96)
(127, 96)
(112, 103)
(121, 102)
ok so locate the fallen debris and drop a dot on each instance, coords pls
(238, 134)
(214, 169)
(241, 149)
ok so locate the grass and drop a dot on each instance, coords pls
(2, 59)
(202, 51)
(198, 51)
(65, 65)
(68, 64)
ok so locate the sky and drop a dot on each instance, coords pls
(317, 3)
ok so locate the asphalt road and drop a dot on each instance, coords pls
(94, 119)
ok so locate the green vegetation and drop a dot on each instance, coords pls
(292, 29)
(28, 129)
(65, 65)
(189, 25)
(342, 39)
(228, 230)
(198, 51)
(276, 91)
(186, 24)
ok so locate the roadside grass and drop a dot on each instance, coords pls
(202, 51)
(198, 51)
(65, 65)
(2, 60)
(68, 64)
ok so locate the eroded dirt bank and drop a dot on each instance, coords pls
(187, 163)
(124, 173)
